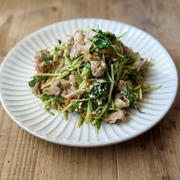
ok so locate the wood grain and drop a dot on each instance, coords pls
(154, 155)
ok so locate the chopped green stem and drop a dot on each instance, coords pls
(120, 55)
(112, 107)
(75, 62)
(118, 72)
(47, 108)
(76, 91)
(46, 74)
(57, 68)
(108, 75)
(112, 104)
(89, 111)
(112, 84)
(83, 84)
(92, 49)
(65, 115)
(63, 74)
(67, 107)
(85, 73)
(81, 100)
(140, 93)
(137, 87)
(59, 75)
(67, 58)
(122, 35)
(97, 126)
(101, 113)
(151, 89)
(80, 121)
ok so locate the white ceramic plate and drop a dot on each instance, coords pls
(25, 110)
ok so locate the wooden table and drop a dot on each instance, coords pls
(154, 155)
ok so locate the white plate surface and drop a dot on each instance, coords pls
(25, 110)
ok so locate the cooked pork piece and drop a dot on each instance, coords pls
(145, 85)
(122, 83)
(36, 89)
(106, 51)
(81, 44)
(68, 87)
(121, 101)
(98, 68)
(73, 81)
(116, 117)
(139, 65)
(41, 66)
(51, 87)
(128, 51)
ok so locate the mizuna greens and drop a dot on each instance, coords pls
(94, 74)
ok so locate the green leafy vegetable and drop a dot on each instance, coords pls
(104, 40)
(97, 118)
(59, 41)
(35, 80)
(86, 70)
(130, 95)
(59, 85)
(45, 57)
(100, 90)
(46, 97)
(74, 106)
(56, 49)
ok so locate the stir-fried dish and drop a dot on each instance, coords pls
(94, 74)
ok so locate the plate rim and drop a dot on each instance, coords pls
(96, 144)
